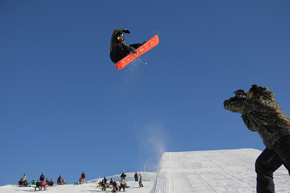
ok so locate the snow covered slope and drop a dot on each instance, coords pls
(221, 171)
(213, 171)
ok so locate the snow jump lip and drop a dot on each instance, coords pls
(154, 41)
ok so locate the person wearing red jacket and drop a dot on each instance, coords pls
(41, 177)
(83, 176)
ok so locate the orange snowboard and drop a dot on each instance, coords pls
(141, 50)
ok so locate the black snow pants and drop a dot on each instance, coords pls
(120, 52)
(122, 186)
(269, 161)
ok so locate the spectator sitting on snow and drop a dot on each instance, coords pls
(37, 185)
(59, 180)
(20, 182)
(25, 183)
(115, 187)
(83, 176)
(33, 182)
(80, 181)
(111, 181)
(50, 182)
(63, 181)
(43, 185)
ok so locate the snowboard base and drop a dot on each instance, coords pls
(141, 50)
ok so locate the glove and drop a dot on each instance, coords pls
(233, 99)
(240, 92)
(126, 31)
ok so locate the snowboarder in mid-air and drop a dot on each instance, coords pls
(119, 49)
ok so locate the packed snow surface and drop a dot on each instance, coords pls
(213, 171)
(219, 171)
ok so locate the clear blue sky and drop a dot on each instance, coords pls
(64, 108)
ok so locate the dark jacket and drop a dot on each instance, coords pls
(136, 177)
(41, 177)
(119, 50)
(123, 175)
(262, 114)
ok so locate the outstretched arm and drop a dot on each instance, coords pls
(120, 30)
(243, 106)
(233, 105)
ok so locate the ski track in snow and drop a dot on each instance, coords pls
(220, 171)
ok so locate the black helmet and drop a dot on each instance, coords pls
(119, 34)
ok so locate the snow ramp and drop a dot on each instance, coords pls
(222, 171)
